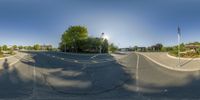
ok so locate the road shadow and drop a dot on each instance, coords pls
(112, 80)
(80, 79)
(12, 84)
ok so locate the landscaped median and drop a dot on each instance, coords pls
(165, 60)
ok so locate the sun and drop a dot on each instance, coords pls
(106, 37)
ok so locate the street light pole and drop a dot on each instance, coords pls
(101, 39)
(179, 39)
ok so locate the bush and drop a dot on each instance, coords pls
(185, 55)
(1, 54)
(11, 52)
(190, 54)
(174, 53)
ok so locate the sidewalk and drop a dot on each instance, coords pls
(11, 60)
(164, 60)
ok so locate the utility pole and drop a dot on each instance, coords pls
(101, 39)
(179, 39)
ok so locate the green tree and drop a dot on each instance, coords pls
(91, 45)
(105, 46)
(29, 48)
(5, 47)
(20, 47)
(158, 47)
(14, 47)
(73, 37)
(36, 47)
(182, 47)
(112, 48)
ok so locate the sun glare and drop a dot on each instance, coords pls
(106, 37)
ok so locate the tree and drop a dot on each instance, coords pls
(5, 47)
(29, 48)
(73, 37)
(182, 47)
(36, 47)
(112, 48)
(135, 48)
(14, 47)
(158, 47)
(20, 47)
(105, 46)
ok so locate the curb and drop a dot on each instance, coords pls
(182, 58)
(171, 68)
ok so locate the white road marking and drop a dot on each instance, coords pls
(34, 81)
(83, 61)
(165, 90)
(16, 61)
(94, 56)
(137, 76)
(93, 61)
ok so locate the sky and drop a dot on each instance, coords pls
(125, 22)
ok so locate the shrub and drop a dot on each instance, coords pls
(11, 52)
(191, 54)
(1, 54)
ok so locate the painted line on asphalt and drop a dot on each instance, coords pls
(80, 61)
(81, 54)
(94, 56)
(11, 64)
(137, 73)
(34, 81)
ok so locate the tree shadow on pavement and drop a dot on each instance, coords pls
(112, 80)
(80, 79)
(11, 83)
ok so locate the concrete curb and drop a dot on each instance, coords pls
(182, 58)
(167, 67)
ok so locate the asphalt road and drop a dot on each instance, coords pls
(52, 76)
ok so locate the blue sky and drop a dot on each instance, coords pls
(126, 22)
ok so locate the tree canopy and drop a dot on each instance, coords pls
(76, 39)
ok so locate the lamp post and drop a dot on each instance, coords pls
(101, 39)
(179, 39)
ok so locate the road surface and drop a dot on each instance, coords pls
(58, 76)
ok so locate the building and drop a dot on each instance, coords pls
(192, 48)
(46, 47)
